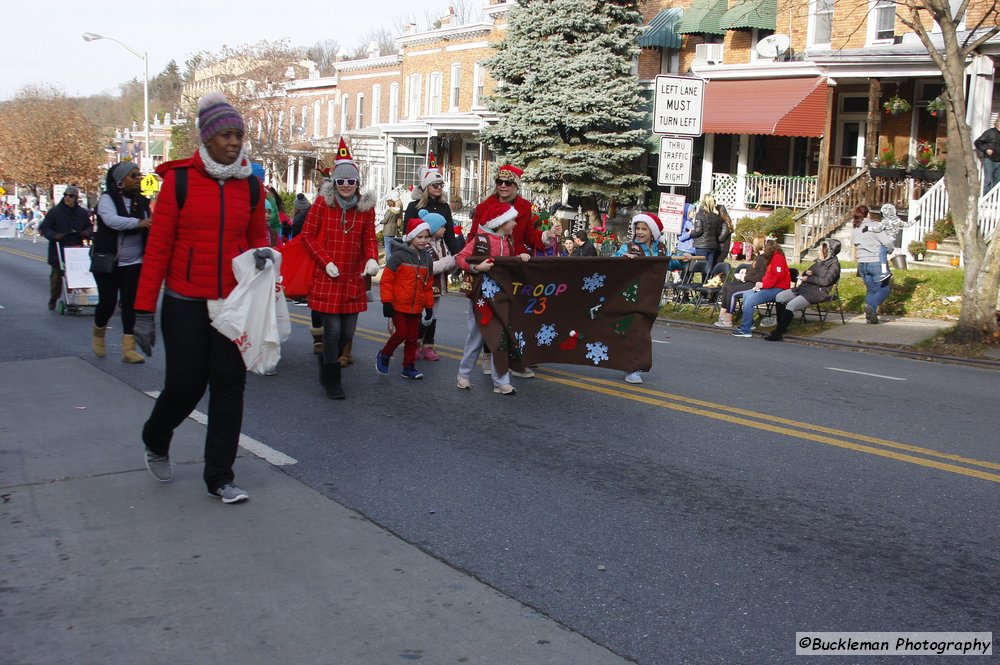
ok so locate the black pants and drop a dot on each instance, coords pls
(55, 284)
(338, 330)
(198, 356)
(118, 284)
(426, 333)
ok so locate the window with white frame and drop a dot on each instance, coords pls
(376, 104)
(291, 123)
(394, 103)
(820, 22)
(359, 111)
(881, 21)
(317, 115)
(434, 85)
(456, 86)
(281, 125)
(344, 100)
(413, 97)
(331, 110)
(756, 35)
(305, 119)
(478, 85)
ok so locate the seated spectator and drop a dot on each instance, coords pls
(776, 279)
(582, 246)
(741, 283)
(813, 287)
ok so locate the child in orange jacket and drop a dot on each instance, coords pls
(407, 290)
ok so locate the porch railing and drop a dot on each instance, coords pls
(760, 190)
(934, 205)
(837, 175)
(823, 217)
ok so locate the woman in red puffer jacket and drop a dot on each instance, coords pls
(190, 249)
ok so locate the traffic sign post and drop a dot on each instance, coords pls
(678, 108)
(678, 105)
(676, 154)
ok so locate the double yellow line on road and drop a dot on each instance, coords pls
(27, 255)
(862, 443)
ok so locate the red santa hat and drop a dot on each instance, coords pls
(510, 172)
(414, 227)
(496, 213)
(343, 165)
(655, 228)
(430, 174)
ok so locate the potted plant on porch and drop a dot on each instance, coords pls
(917, 250)
(924, 165)
(931, 239)
(887, 165)
(896, 105)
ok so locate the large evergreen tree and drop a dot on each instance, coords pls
(570, 111)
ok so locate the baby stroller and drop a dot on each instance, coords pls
(79, 290)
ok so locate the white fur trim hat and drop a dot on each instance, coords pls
(653, 223)
(497, 213)
(430, 174)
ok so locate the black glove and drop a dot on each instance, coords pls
(260, 257)
(144, 332)
(428, 317)
(387, 310)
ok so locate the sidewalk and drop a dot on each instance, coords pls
(105, 565)
(891, 330)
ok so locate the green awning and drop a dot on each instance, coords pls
(156, 148)
(703, 18)
(661, 31)
(748, 14)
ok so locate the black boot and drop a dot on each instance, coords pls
(329, 377)
(784, 320)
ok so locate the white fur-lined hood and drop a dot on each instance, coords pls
(328, 190)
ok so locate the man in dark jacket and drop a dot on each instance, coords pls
(67, 224)
(988, 146)
(583, 245)
(816, 283)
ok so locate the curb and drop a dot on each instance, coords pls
(905, 352)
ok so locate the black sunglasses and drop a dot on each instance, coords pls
(346, 181)
(70, 196)
(508, 183)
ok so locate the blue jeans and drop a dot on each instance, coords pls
(753, 298)
(991, 174)
(876, 289)
(709, 255)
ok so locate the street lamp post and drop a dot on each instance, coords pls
(144, 56)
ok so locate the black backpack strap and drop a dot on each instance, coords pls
(254, 192)
(181, 186)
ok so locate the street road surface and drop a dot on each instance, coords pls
(744, 492)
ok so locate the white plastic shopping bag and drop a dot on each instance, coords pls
(255, 314)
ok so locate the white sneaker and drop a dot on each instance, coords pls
(633, 378)
(528, 373)
(505, 389)
(722, 324)
(463, 383)
(487, 364)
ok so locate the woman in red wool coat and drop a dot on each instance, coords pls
(339, 233)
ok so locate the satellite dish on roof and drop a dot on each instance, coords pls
(773, 46)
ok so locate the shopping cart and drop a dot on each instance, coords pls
(79, 290)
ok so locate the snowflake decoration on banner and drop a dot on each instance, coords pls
(480, 303)
(519, 339)
(593, 282)
(597, 352)
(490, 288)
(546, 335)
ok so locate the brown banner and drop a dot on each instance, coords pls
(576, 311)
